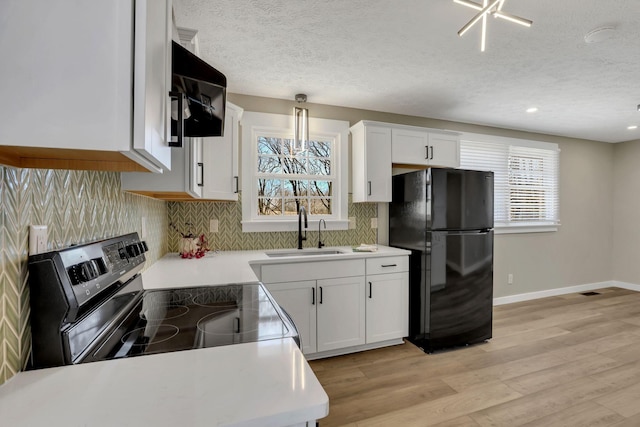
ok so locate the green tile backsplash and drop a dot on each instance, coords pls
(231, 238)
(77, 207)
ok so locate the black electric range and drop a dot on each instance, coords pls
(88, 304)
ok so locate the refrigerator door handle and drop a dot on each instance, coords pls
(466, 233)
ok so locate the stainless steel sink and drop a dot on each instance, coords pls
(302, 252)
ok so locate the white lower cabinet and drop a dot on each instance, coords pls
(387, 298)
(387, 306)
(340, 313)
(337, 308)
(299, 300)
(329, 313)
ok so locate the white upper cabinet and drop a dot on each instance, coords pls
(221, 159)
(69, 71)
(203, 169)
(152, 81)
(376, 146)
(424, 147)
(371, 162)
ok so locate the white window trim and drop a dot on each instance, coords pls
(280, 123)
(515, 228)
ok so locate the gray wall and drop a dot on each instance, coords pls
(626, 218)
(580, 252)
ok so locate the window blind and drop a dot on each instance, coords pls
(525, 179)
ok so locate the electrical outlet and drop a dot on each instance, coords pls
(374, 222)
(143, 227)
(352, 223)
(510, 279)
(37, 239)
(213, 226)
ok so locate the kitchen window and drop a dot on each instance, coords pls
(526, 193)
(276, 181)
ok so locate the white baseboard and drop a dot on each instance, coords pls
(625, 285)
(563, 291)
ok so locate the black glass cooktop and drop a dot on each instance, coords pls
(189, 318)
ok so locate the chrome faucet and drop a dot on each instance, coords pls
(320, 244)
(306, 225)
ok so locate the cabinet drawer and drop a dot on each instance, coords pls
(392, 264)
(274, 273)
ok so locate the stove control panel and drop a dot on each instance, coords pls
(93, 268)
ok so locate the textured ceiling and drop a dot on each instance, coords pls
(405, 57)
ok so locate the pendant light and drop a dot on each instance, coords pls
(300, 125)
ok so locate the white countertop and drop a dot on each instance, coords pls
(267, 383)
(222, 268)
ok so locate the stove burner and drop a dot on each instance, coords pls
(160, 334)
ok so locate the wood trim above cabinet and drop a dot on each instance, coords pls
(56, 158)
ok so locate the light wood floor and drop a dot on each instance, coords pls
(571, 360)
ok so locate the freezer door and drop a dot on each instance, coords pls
(460, 199)
(459, 279)
(408, 211)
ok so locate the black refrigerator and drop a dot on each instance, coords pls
(445, 218)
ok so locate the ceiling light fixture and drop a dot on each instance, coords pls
(494, 8)
(632, 127)
(300, 125)
(532, 110)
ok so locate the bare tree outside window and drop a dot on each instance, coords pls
(288, 180)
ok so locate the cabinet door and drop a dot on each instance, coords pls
(152, 81)
(194, 167)
(340, 312)
(410, 147)
(220, 156)
(387, 297)
(299, 300)
(66, 74)
(371, 163)
(378, 158)
(445, 150)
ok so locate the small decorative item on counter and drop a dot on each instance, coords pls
(366, 248)
(190, 245)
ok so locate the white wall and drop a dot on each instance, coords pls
(579, 253)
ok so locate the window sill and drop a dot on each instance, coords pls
(517, 229)
(289, 225)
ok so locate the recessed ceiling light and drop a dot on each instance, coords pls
(532, 109)
(632, 127)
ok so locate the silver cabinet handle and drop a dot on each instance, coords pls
(236, 181)
(426, 154)
(369, 190)
(431, 158)
(370, 289)
(313, 296)
(389, 265)
(201, 166)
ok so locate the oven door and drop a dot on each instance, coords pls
(83, 337)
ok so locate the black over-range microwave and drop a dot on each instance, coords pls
(199, 94)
